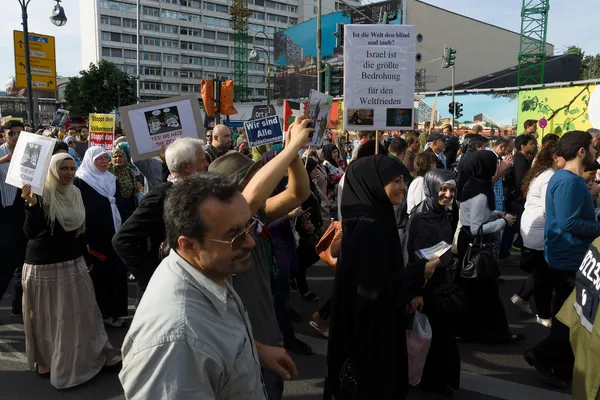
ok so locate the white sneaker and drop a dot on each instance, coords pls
(545, 322)
(522, 304)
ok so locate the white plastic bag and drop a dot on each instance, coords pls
(418, 341)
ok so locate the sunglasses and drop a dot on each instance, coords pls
(11, 134)
(238, 241)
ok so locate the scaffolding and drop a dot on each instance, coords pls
(239, 17)
(532, 51)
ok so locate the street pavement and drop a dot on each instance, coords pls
(488, 371)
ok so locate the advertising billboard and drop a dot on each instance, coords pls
(497, 113)
(565, 109)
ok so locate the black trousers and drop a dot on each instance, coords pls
(555, 351)
(539, 283)
(13, 244)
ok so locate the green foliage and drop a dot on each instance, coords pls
(100, 89)
(590, 65)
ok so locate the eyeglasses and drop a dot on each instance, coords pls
(238, 241)
(11, 133)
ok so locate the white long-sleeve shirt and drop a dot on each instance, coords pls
(475, 212)
(416, 193)
(533, 219)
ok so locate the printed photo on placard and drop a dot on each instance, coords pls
(319, 107)
(30, 162)
(154, 125)
(163, 120)
(401, 117)
(360, 116)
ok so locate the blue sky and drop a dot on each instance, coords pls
(571, 22)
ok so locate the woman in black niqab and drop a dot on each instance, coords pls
(429, 224)
(371, 289)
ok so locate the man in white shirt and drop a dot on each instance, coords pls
(191, 337)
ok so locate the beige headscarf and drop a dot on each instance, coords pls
(62, 203)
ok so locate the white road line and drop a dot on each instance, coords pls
(483, 384)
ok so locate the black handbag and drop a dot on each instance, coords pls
(350, 387)
(479, 261)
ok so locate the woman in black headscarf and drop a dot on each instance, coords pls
(367, 339)
(486, 319)
(429, 224)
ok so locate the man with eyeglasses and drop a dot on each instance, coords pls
(191, 336)
(12, 217)
(254, 285)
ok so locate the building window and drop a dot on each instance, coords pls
(315, 10)
(216, 7)
(148, 26)
(271, 17)
(189, 31)
(211, 62)
(106, 20)
(209, 34)
(171, 87)
(256, 79)
(168, 29)
(105, 36)
(148, 56)
(130, 54)
(172, 58)
(125, 38)
(191, 46)
(110, 52)
(115, 37)
(191, 74)
(194, 60)
(172, 73)
(258, 15)
(293, 9)
(209, 48)
(129, 23)
(260, 3)
(256, 67)
(217, 21)
(222, 50)
(282, 19)
(222, 36)
(152, 86)
(128, 69)
(189, 88)
(151, 11)
(293, 21)
(151, 71)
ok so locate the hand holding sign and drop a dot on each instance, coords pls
(28, 196)
(300, 132)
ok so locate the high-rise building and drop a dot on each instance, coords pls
(184, 41)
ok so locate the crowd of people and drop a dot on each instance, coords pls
(218, 235)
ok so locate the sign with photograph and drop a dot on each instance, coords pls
(102, 129)
(60, 118)
(379, 77)
(150, 126)
(263, 131)
(30, 162)
(319, 107)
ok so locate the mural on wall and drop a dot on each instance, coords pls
(497, 113)
(566, 109)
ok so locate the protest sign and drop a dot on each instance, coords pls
(319, 107)
(60, 118)
(30, 162)
(379, 77)
(102, 129)
(150, 126)
(263, 131)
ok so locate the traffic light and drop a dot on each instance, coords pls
(449, 57)
(458, 110)
(327, 78)
(451, 108)
(337, 81)
(339, 34)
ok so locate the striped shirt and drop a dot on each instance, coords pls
(7, 192)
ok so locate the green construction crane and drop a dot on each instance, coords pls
(239, 17)
(532, 51)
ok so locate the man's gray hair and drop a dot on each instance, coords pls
(594, 132)
(182, 150)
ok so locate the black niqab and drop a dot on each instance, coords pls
(481, 167)
(328, 150)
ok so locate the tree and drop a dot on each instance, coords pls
(101, 89)
(590, 65)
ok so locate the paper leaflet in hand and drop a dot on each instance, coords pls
(435, 251)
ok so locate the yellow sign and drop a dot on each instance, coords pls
(42, 58)
(102, 127)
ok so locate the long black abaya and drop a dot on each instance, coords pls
(428, 225)
(371, 289)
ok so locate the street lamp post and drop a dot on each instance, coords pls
(58, 18)
(254, 57)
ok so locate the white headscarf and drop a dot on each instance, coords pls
(104, 183)
(62, 203)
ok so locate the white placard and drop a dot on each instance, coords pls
(30, 162)
(379, 77)
(149, 126)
